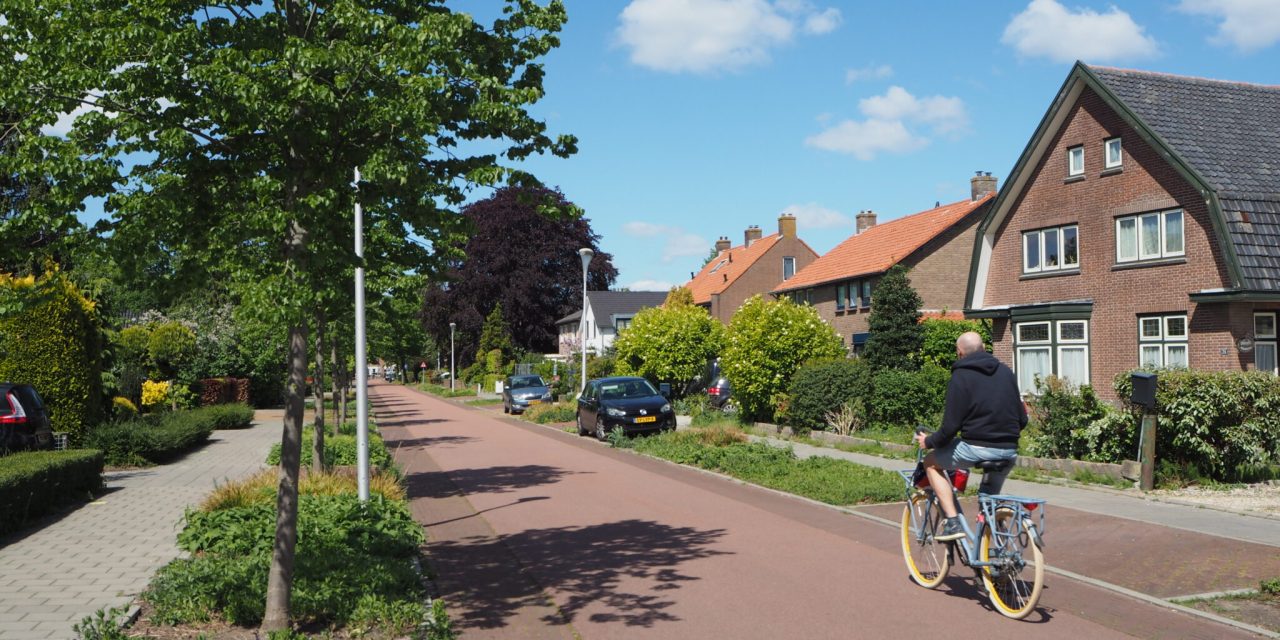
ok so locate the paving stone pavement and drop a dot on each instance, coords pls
(104, 553)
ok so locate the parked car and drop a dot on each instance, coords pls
(718, 387)
(521, 392)
(24, 419)
(630, 403)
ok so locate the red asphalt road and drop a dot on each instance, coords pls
(536, 533)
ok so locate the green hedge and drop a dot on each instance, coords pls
(339, 451)
(33, 483)
(155, 438)
(823, 386)
(56, 346)
(907, 398)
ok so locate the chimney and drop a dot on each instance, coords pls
(752, 234)
(722, 244)
(981, 184)
(787, 225)
(866, 220)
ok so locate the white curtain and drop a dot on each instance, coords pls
(1033, 362)
(1074, 364)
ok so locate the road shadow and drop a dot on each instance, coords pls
(426, 442)
(969, 587)
(462, 482)
(630, 569)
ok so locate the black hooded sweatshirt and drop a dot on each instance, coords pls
(983, 405)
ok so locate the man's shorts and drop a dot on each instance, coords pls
(959, 454)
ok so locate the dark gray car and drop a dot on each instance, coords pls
(24, 419)
(521, 392)
(630, 403)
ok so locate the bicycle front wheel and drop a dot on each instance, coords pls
(927, 559)
(1016, 577)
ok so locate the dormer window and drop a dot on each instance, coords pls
(1114, 156)
(1075, 161)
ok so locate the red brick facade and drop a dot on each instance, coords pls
(765, 274)
(1120, 292)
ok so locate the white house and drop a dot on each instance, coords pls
(607, 313)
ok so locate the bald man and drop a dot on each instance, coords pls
(985, 410)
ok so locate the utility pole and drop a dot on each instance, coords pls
(362, 367)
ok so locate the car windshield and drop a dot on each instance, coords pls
(624, 389)
(523, 382)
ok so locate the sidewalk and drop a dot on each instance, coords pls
(104, 553)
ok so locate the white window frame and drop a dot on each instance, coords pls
(1162, 249)
(1038, 237)
(1072, 153)
(1267, 340)
(788, 260)
(1118, 160)
(1164, 341)
(1055, 345)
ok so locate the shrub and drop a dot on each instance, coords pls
(551, 412)
(1061, 415)
(55, 344)
(601, 366)
(171, 346)
(229, 416)
(33, 483)
(939, 339)
(260, 488)
(766, 343)
(223, 391)
(848, 417)
(671, 343)
(906, 398)
(339, 451)
(1226, 423)
(154, 393)
(153, 439)
(123, 408)
(820, 387)
(347, 551)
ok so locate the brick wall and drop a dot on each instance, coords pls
(1145, 183)
(762, 277)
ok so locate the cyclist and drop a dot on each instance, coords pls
(983, 407)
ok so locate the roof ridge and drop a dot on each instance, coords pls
(1164, 74)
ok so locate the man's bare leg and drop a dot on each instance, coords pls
(941, 486)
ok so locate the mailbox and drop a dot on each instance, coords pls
(1144, 389)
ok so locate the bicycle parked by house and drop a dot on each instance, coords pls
(1005, 550)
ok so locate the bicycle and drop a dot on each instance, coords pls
(1005, 550)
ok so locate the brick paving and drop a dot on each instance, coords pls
(103, 554)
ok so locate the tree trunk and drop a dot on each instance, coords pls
(280, 578)
(317, 452)
(335, 382)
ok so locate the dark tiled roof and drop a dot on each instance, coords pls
(606, 304)
(1229, 133)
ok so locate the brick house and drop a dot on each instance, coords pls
(935, 244)
(1140, 226)
(608, 312)
(755, 267)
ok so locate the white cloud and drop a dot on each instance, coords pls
(677, 242)
(868, 73)
(1248, 25)
(65, 121)
(885, 128)
(815, 216)
(703, 36)
(650, 285)
(1048, 29)
(864, 139)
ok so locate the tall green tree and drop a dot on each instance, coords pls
(495, 335)
(896, 336)
(245, 121)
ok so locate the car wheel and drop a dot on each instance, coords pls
(581, 430)
(600, 434)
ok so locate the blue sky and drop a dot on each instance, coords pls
(697, 118)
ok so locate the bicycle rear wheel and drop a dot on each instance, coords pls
(1015, 582)
(927, 559)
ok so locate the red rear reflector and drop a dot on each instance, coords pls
(1031, 506)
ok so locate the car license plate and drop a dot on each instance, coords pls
(532, 402)
(646, 419)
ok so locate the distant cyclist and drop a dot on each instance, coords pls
(985, 410)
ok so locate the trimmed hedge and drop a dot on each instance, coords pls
(215, 391)
(155, 438)
(33, 483)
(823, 386)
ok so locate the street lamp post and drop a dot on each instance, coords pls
(452, 375)
(586, 260)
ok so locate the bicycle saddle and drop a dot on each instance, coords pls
(993, 465)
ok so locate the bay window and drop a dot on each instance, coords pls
(1051, 348)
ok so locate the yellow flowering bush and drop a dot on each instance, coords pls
(154, 393)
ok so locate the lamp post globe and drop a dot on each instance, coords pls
(452, 375)
(586, 255)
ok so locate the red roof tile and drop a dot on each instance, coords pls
(882, 246)
(725, 268)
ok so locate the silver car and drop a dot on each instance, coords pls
(521, 392)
